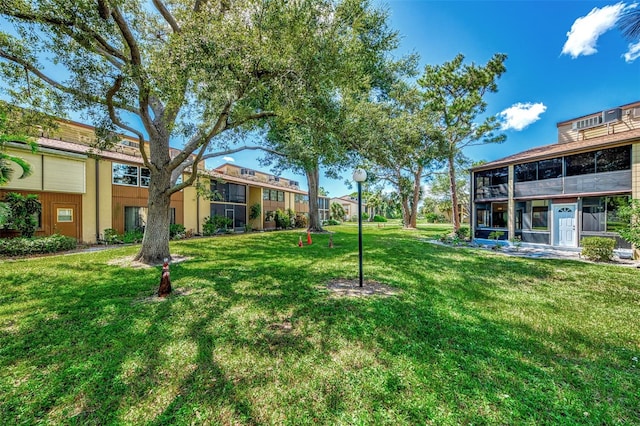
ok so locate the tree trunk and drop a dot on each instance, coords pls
(155, 243)
(416, 198)
(454, 194)
(406, 213)
(313, 177)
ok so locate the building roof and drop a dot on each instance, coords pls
(118, 156)
(556, 149)
(236, 179)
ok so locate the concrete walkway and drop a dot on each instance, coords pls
(622, 257)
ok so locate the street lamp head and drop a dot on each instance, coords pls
(359, 175)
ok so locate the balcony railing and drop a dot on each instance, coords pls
(575, 185)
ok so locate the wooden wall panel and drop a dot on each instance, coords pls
(133, 196)
(47, 199)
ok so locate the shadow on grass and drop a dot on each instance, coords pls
(260, 341)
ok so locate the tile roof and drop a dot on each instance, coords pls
(556, 149)
(118, 156)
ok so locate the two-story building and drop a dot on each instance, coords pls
(560, 193)
(84, 191)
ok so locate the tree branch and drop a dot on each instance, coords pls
(58, 22)
(200, 157)
(53, 83)
(167, 15)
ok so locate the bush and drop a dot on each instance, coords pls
(435, 218)
(331, 222)
(464, 232)
(378, 218)
(300, 221)
(40, 245)
(131, 237)
(216, 223)
(177, 231)
(23, 213)
(282, 219)
(111, 236)
(598, 249)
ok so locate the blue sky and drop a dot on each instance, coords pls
(565, 59)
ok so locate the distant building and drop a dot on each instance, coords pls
(350, 206)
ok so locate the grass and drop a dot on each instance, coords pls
(474, 337)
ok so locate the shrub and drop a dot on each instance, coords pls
(111, 236)
(331, 222)
(496, 235)
(131, 237)
(464, 232)
(300, 221)
(23, 213)
(378, 218)
(598, 249)
(176, 231)
(216, 223)
(40, 245)
(282, 219)
(254, 211)
(365, 216)
(435, 218)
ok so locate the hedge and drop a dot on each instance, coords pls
(39, 245)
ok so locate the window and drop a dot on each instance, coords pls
(492, 183)
(540, 215)
(135, 218)
(64, 215)
(124, 174)
(482, 216)
(580, 164)
(613, 204)
(550, 169)
(613, 159)
(526, 172)
(518, 218)
(600, 214)
(281, 196)
(274, 195)
(499, 215)
(229, 192)
(172, 215)
(145, 177)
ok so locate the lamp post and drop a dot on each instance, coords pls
(359, 175)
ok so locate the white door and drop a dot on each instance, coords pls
(564, 220)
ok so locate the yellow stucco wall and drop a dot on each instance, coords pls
(635, 170)
(89, 226)
(105, 196)
(255, 196)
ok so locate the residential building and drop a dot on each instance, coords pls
(560, 193)
(84, 191)
(239, 188)
(350, 205)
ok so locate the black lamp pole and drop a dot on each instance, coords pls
(360, 229)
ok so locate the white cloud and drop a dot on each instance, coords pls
(633, 53)
(520, 115)
(229, 159)
(582, 38)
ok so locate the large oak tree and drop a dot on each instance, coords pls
(188, 70)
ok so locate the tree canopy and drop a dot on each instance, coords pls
(190, 71)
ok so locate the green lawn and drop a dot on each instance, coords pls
(474, 337)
